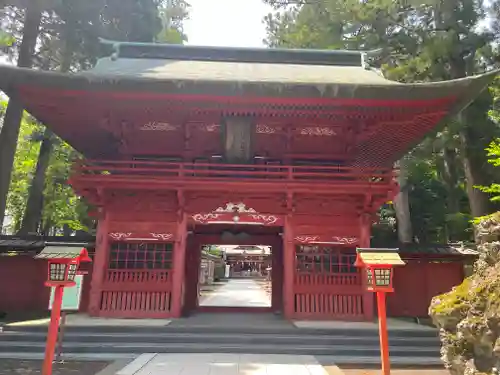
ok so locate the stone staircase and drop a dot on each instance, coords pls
(222, 333)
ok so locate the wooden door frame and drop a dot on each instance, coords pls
(195, 243)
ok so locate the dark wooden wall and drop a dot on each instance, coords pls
(22, 285)
(418, 282)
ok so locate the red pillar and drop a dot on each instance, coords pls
(276, 274)
(179, 267)
(364, 242)
(100, 265)
(288, 268)
(55, 315)
(384, 340)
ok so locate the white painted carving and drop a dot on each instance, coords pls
(306, 239)
(211, 128)
(316, 130)
(268, 219)
(203, 218)
(335, 239)
(345, 240)
(162, 236)
(265, 129)
(119, 235)
(235, 207)
(158, 126)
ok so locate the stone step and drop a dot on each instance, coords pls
(218, 338)
(249, 348)
(423, 332)
(325, 360)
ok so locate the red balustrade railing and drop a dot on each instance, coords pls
(320, 305)
(138, 276)
(136, 293)
(339, 279)
(136, 304)
(210, 171)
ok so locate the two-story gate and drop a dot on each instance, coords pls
(305, 140)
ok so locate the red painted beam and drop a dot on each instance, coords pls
(69, 95)
(224, 185)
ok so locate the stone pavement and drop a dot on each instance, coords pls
(238, 293)
(392, 325)
(83, 320)
(223, 364)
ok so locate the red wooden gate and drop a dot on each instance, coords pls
(138, 280)
(326, 283)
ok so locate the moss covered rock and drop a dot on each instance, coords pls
(469, 316)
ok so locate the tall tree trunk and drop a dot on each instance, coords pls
(34, 207)
(474, 164)
(402, 208)
(14, 112)
(450, 178)
(403, 217)
(448, 171)
(474, 160)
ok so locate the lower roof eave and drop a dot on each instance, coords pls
(13, 78)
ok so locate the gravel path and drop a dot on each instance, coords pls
(27, 367)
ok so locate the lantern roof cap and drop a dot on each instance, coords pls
(62, 252)
(374, 257)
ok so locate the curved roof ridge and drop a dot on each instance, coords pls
(238, 54)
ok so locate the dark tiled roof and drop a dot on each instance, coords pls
(31, 243)
(21, 244)
(435, 249)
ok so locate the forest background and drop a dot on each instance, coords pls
(446, 181)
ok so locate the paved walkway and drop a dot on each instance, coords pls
(223, 364)
(238, 293)
(422, 371)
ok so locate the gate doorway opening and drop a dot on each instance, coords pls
(234, 275)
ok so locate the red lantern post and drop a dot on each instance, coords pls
(63, 264)
(378, 265)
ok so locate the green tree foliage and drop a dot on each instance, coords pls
(68, 40)
(24, 165)
(419, 41)
(6, 40)
(62, 208)
(173, 14)
(494, 154)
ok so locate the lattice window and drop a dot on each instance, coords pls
(324, 259)
(140, 256)
(57, 271)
